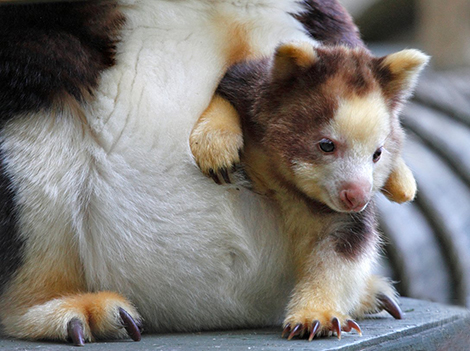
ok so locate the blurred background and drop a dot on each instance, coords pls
(427, 248)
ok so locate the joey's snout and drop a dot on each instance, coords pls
(355, 196)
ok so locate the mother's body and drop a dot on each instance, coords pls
(99, 189)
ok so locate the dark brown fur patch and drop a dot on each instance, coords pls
(53, 50)
(328, 22)
(356, 233)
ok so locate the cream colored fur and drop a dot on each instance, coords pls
(361, 125)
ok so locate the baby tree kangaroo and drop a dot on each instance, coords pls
(320, 135)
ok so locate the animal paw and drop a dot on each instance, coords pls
(102, 315)
(217, 141)
(78, 318)
(318, 324)
(77, 330)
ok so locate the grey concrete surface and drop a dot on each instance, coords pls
(426, 327)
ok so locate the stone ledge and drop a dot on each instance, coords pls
(427, 326)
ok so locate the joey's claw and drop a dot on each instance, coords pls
(331, 326)
(313, 332)
(390, 306)
(75, 332)
(296, 331)
(224, 173)
(214, 176)
(286, 330)
(129, 323)
(350, 324)
(336, 327)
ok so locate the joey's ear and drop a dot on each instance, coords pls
(398, 73)
(291, 57)
(401, 185)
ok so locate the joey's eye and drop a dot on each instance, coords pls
(377, 154)
(326, 145)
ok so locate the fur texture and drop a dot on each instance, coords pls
(10, 242)
(52, 52)
(327, 22)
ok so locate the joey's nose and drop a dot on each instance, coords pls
(355, 197)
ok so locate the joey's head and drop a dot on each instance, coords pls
(330, 123)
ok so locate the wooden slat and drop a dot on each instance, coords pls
(415, 253)
(445, 200)
(446, 92)
(445, 136)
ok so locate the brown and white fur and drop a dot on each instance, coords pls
(105, 219)
(320, 135)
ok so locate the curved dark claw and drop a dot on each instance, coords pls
(129, 323)
(350, 324)
(295, 331)
(313, 332)
(224, 173)
(390, 306)
(336, 327)
(286, 330)
(75, 332)
(214, 176)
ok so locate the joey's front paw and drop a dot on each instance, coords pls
(308, 324)
(216, 151)
(217, 141)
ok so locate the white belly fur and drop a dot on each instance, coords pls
(188, 253)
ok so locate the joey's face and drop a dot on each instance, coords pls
(353, 155)
(328, 121)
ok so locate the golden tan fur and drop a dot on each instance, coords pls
(218, 126)
(291, 56)
(237, 46)
(401, 184)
